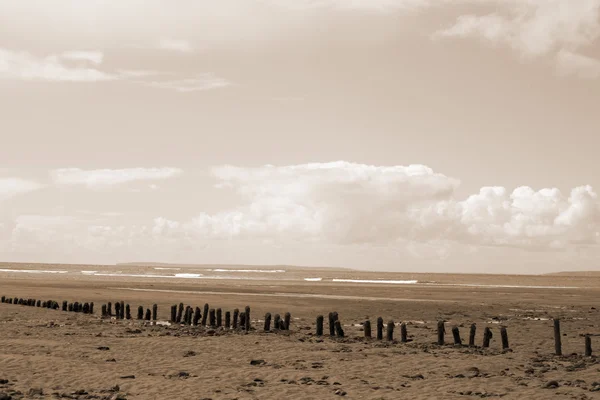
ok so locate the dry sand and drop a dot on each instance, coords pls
(57, 353)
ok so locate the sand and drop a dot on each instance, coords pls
(53, 354)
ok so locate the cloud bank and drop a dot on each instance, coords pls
(102, 178)
(10, 187)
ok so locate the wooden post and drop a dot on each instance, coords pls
(320, 325)
(86, 308)
(3, 298)
(219, 318)
(70, 307)
(140, 314)
(154, 312)
(186, 316)
(104, 310)
(65, 304)
(128, 311)
(557, 338)
(75, 306)
(286, 321)
(338, 329)
(504, 336)
(267, 327)
(190, 315)
(148, 314)
(174, 313)
(213, 321)
(227, 319)
(403, 333)
(390, 331)
(487, 336)
(117, 309)
(472, 335)
(197, 316)
(205, 314)
(242, 324)
(331, 325)
(122, 316)
(588, 346)
(179, 313)
(109, 309)
(38, 304)
(236, 314)
(441, 330)
(247, 316)
(379, 328)
(92, 307)
(367, 329)
(456, 335)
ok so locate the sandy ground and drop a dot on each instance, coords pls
(53, 354)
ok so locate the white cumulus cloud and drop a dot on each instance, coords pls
(101, 178)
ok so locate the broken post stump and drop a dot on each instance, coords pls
(267, 326)
(379, 328)
(286, 321)
(390, 331)
(320, 325)
(367, 329)
(487, 336)
(557, 339)
(441, 330)
(504, 336)
(472, 335)
(456, 335)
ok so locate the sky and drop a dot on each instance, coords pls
(397, 135)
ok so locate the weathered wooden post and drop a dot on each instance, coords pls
(367, 329)
(140, 314)
(504, 336)
(472, 335)
(109, 309)
(219, 318)
(333, 316)
(286, 321)
(117, 309)
(588, 346)
(390, 331)
(128, 311)
(456, 335)
(75, 306)
(39, 303)
(92, 307)
(205, 314)
(441, 330)
(65, 304)
(338, 329)
(148, 314)
(320, 325)
(70, 307)
(379, 328)
(122, 315)
(267, 327)
(236, 314)
(179, 313)
(242, 324)
(3, 298)
(213, 321)
(227, 319)
(104, 312)
(197, 316)
(154, 312)
(403, 333)
(174, 313)
(247, 316)
(557, 338)
(190, 315)
(487, 336)
(86, 308)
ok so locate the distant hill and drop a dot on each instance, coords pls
(234, 266)
(593, 274)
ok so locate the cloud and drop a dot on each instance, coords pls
(10, 187)
(199, 83)
(94, 57)
(102, 178)
(24, 66)
(181, 46)
(568, 63)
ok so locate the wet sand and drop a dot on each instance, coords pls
(57, 353)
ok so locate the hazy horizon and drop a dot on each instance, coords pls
(397, 135)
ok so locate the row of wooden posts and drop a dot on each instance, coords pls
(188, 315)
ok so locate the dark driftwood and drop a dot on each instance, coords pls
(205, 314)
(403, 333)
(236, 315)
(390, 331)
(154, 312)
(504, 336)
(286, 321)
(247, 316)
(320, 325)
(472, 335)
(487, 336)
(219, 317)
(213, 321)
(379, 328)
(588, 346)
(267, 326)
(140, 314)
(441, 330)
(174, 313)
(367, 329)
(557, 339)
(456, 335)
(338, 329)
(227, 319)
